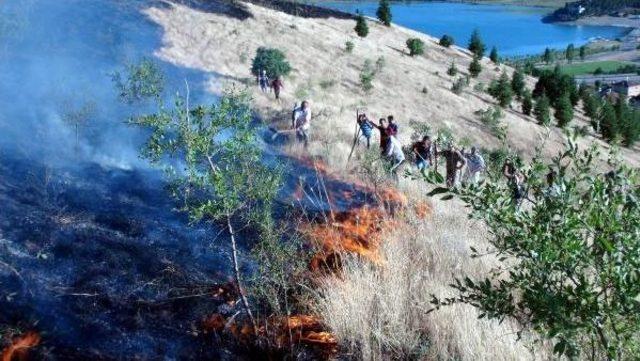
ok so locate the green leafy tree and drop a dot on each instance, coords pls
(475, 68)
(453, 70)
(493, 55)
(273, 61)
(569, 262)
(223, 178)
(542, 110)
(517, 83)
(384, 12)
(501, 90)
(446, 41)
(570, 52)
(548, 56)
(362, 29)
(564, 111)
(527, 103)
(583, 52)
(416, 46)
(142, 80)
(476, 46)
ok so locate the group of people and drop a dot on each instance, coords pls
(460, 165)
(266, 84)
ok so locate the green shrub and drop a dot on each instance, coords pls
(491, 118)
(416, 46)
(271, 60)
(493, 56)
(362, 29)
(380, 64)
(349, 46)
(475, 68)
(527, 103)
(446, 41)
(367, 74)
(459, 85)
(453, 70)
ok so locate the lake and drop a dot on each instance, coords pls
(514, 30)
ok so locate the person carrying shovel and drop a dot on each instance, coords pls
(422, 152)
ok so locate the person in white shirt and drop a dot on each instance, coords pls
(475, 166)
(302, 122)
(395, 154)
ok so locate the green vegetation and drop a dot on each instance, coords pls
(517, 83)
(542, 110)
(416, 46)
(606, 66)
(493, 56)
(554, 84)
(452, 70)
(583, 52)
(568, 260)
(476, 46)
(362, 29)
(273, 61)
(459, 85)
(615, 121)
(547, 57)
(367, 74)
(349, 46)
(527, 103)
(475, 68)
(224, 179)
(501, 90)
(384, 12)
(570, 53)
(143, 80)
(491, 117)
(446, 41)
(564, 111)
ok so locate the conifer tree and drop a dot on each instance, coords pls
(362, 29)
(494, 55)
(541, 110)
(476, 46)
(570, 53)
(475, 68)
(548, 56)
(608, 122)
(564, 111)
(527, 103)
(453, 70)
(517, 83)
(384, 12)
(501, 90)
(583, 52)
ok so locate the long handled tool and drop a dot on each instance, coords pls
(356, 135)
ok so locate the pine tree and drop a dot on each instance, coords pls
(527, 103)
(564, 111)
(476, 46)
(548, 56)
(583, 52)
(494, 55)
(453, 70)
(517, 83)
(570, 53)
(384, 12)
(541, 110)
(475, 68)
(591, 107)
(362, 29)
(609, 126)
(501, 90)
(446, 41)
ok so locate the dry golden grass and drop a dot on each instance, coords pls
(380, 312)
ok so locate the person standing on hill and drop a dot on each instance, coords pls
(263, 81)
(475, 165)
(422, 151)
(395, 154)
(515, 179)
(277, 85)
(366, 127)
(455, 161)
(392, 128)
(384, 136)
(302, 122)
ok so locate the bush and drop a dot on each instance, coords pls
(491, 117)
(475, 68)
(141, 81)
(380, 64)
(367, 74)
(453, 70)
(501, 90)
(384, 12)
(416, 46)
(362, 29)
(271, 60)
(568, 261)
(517, 83)
(349, 46)
(541, 110)
(446, 41)
(459, 85)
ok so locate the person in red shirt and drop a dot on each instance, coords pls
(277, 85)
(392, 128)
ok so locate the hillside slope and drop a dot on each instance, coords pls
(328, 76)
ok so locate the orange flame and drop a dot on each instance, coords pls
(19, 346)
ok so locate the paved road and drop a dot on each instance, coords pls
(591, 79)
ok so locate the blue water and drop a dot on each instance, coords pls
(514, 30)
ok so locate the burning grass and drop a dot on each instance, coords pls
(20, 345)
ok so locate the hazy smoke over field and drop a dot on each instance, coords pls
(91, 252)
(57, 100)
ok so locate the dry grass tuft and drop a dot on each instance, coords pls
(380, 312)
